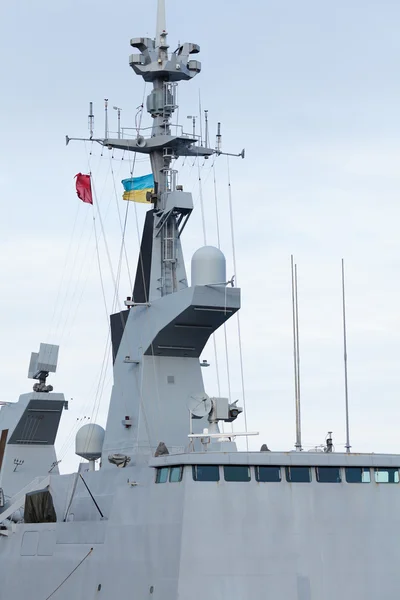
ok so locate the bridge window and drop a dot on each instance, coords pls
(328, 474)
(358, 475)
(268, 473)
(387, 475)
(162, 475)
(205, 472)
(237, 473)
(175, 474)
(298, 474)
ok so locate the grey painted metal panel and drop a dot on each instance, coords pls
(81, 533)
(29, 545)
(39, 423)
(47, 542)
(279, 458)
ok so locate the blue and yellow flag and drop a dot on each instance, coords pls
(136, 188)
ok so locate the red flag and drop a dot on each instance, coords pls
(84, 188)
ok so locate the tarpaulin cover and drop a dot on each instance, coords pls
(39, 507)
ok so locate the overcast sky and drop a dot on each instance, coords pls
(311, 90)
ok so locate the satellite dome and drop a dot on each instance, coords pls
(208, 266)
(89, 441)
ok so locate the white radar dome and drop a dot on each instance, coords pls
(89, 441)
(208, 266)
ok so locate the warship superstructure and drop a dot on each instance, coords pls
(174, 510)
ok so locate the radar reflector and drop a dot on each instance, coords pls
(199, 405)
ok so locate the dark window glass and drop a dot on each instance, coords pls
(175, 474)
(270, 473)
(205, 472)
(387, 475)
(328, 474)
(237, 473)
(358, 475)
(298, 474)
(162, 475)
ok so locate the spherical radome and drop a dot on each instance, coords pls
(89, 441)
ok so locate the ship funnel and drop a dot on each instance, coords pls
(208, 267)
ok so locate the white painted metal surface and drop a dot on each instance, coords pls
(208, 266)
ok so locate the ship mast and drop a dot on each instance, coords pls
(161, 269)
(161, 21)
(162, 334)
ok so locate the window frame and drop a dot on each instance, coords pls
(159, 470)
(388, 470)
(288, 469)
(327, 468)
(180, 467)
(194, 473)
(363, 470)
(257, 473)
(235, 467)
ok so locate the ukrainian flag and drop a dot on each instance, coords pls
(136, 188)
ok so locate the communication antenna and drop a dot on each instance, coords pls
(91, 119)
(119, 120)
(346, 390)
(296, 354)
(201, 121)
(206, 127)
(18, 463)
(106, 118)
(193, 117)
(218, 145)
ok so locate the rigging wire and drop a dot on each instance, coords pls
(99, 265)
(228, 374)
(96, 403)
(105, 242)
(205, 243)
(237, 314)
(122, 226)
(64, 270)
(56, 323)
(219, 246)
(202, 203)
(69, 299)
(216, 206)
(103, 372)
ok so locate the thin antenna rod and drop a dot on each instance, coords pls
(106, 118)
(298, 437)
(206, 128)
(296, 354)
(218, 144)
(346, 390)
(91, 119)
(201, 120)
(161, 21)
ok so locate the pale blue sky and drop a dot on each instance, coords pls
(311, 89)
